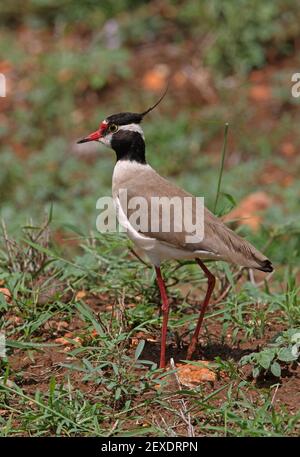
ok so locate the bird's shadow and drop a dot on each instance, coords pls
(151, 352)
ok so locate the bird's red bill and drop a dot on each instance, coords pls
(95, 136)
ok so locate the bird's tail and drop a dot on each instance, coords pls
(265, 265)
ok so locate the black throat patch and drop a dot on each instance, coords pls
(129, 145)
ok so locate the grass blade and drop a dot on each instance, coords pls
(222, 165)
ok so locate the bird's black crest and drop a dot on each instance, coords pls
(133, 118)
(125, 118)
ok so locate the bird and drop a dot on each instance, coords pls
(123, 133)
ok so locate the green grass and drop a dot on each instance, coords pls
(105, 385)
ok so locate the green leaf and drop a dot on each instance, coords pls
(139, 349)
(28, 344)
(255, 372)
(73, 228)
(230, 198)
(52, 385)
(265, 358)
(3, 302)
(286, 355)
(88, 315)
(246, 359)
(276, 369)
(118, 393)
(222, 166)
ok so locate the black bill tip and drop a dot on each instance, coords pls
(84, 140)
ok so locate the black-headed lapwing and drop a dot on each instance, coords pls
(123, 133)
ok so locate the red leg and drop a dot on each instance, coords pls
(211, 284)
(165, 310)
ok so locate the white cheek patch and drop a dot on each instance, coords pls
(106, 139)
(133, 128)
